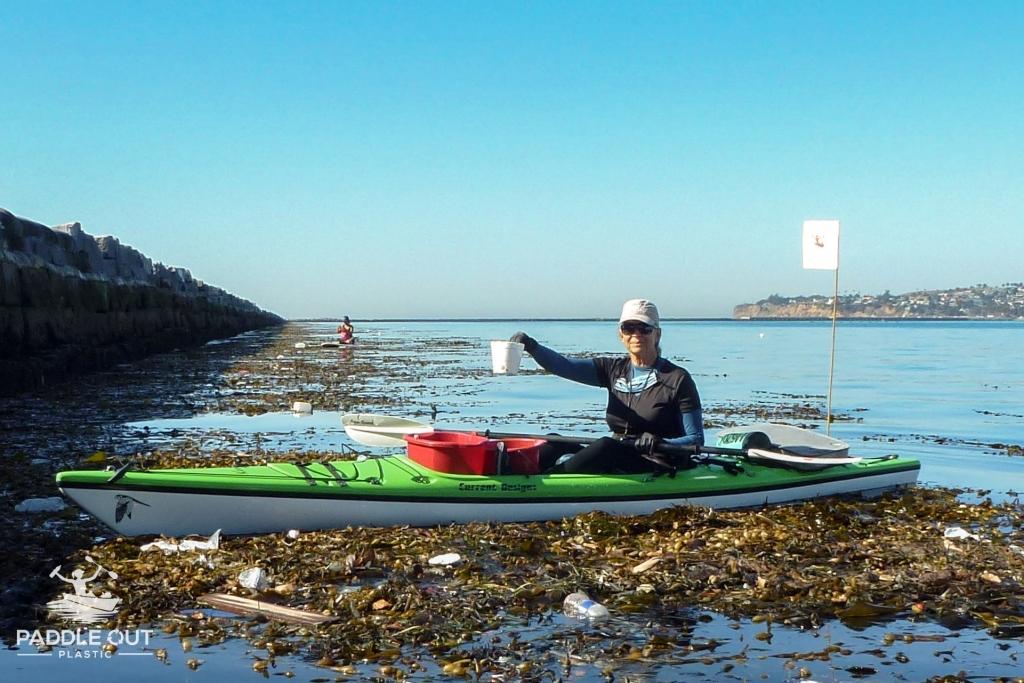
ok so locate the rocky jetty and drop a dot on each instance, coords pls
(71, 303)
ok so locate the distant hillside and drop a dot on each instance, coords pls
(980, 301)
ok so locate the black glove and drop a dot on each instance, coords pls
(528, 342)
(646, 443)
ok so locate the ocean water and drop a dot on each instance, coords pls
(949, 393)
(941, 391)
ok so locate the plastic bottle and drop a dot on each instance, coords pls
(579, 604)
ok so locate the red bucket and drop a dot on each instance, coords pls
(522, 456)
(453, 452)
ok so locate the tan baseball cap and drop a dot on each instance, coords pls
(642, 310)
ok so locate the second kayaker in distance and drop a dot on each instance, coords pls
(346, 332)
(650, 400)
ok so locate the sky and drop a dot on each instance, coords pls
(524, 159)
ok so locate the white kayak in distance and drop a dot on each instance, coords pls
(787, 445)
(381, 430)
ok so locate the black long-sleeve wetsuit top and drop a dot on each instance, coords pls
(661, 399)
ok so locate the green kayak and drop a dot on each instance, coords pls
(397, 490)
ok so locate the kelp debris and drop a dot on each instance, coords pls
(1000, 448)
(406, 614)
(796, 565)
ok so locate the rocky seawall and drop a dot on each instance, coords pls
(72, 303)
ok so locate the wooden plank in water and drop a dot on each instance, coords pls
(245, 606)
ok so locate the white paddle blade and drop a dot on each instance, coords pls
(786, 438)
(801, 462)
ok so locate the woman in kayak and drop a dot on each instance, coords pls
(650, 400)
(346, 332)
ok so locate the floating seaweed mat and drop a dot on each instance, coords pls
(239, 605)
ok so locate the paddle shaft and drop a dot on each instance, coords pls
(584, 440)
(665, 448)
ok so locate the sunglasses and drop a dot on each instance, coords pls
(635, 328)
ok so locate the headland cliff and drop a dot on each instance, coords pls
(978, 302)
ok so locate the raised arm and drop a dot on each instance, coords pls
(582, 371)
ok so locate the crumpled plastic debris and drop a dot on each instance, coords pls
(212, 543)
(959, 532)
(254, 578)
(203, 561)
(52, 504)
(445, 559)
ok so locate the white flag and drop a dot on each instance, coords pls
(821, 245)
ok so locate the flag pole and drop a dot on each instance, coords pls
(821, 252)
(832, 356)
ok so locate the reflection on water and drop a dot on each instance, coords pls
(706, 646)
(319, 430)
